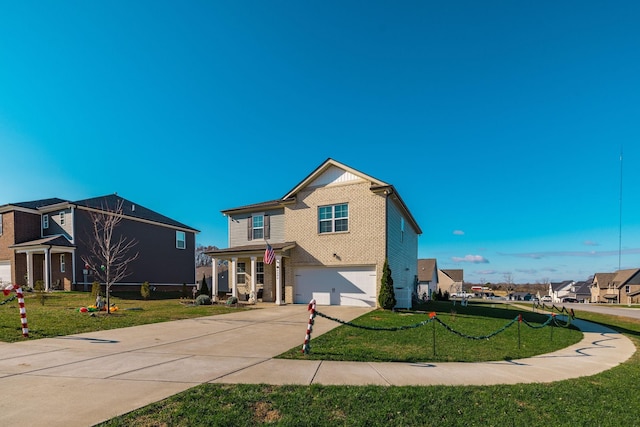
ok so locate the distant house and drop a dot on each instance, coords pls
(627, 282)
(329, 238)
(450, 281)
(582, 291)
(603, 289)
(520, 296)
(559, 290)
(45, 240)
(427, 278)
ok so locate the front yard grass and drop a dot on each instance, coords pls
(605, 399)
(416, 343)
(60, 313)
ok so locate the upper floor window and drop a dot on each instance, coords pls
(401, 229)
(241, 273)
(181, 240)
(333, 218)
(62, 266)
(45, 221)
(62, 218)
(627, 288)
(258, 227)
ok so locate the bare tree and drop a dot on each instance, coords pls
(108, 251)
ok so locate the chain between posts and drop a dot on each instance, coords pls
(432, 318)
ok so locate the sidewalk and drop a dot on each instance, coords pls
(84, 379)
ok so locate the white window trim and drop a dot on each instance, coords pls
(62, 266)
(183, 240)
(253, 229)
(62, 218)
(241, 274)
(333, 219)
(45, 221)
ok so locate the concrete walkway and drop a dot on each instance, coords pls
(84, 379)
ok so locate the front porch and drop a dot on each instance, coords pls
(249, 274)
(50, 259)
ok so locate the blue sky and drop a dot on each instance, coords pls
(500, 123)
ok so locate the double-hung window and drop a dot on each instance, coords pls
(62, 218)
(62, 266)
(45, 221)
(258, 226)
(333, 218)
(181, 240)
(0, 224)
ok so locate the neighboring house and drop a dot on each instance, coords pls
(602, 288)
(47, 239)
(450, 281)
(520, 296)
(427, 278)
(581, 291)
(330, 236)
(627, 282)
(559, 290)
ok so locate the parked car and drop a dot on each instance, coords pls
(546, 298)
(569, 300)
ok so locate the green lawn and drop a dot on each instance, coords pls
(605, 399)
(59, 315)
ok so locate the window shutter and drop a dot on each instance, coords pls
(267, 227)
(250, 228)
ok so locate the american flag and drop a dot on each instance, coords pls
(269, 254)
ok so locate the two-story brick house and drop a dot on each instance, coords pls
(331, 235)
(47, 239)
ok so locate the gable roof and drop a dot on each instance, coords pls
(426, 268)
(108, 202)
(455, 275)
(376, 186)
(32, 205)
(624, 277)
(559, 286)
(59, 241)
(129, 209)
(603, 280)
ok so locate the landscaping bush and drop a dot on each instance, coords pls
(204, 289)
(145, 290)
(387, 297)
(203, 300)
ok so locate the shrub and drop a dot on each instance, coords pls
(145, 290)
(204, 289)
(95, 290)
(203, 300)
(39, 288)
(387, 297)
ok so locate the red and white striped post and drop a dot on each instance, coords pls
(23, 311)
(307, 337)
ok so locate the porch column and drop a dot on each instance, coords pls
(253, 277)
(214, 279)
(279, 296)
(47, 269)
(233, 277)
(29, 269)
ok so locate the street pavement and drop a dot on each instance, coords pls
(85, 379)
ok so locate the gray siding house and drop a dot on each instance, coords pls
(47, 240)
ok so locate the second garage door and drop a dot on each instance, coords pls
(353, 286)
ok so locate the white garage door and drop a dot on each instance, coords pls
(354, 286)
(5, 273)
